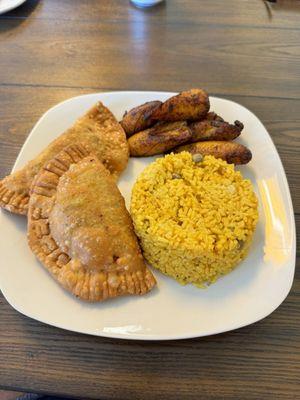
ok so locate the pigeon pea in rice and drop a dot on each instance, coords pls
(198, 227)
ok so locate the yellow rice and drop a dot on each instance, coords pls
(195, 221)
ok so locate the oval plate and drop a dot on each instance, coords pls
(249, 293)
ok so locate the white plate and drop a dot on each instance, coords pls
(8, 5)
(251, 292)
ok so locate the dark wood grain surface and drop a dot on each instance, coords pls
(51, 50)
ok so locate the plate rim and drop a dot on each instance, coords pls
(11, 7)
(163, 337)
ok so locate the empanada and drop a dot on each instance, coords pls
(98, 129)
(79, 228)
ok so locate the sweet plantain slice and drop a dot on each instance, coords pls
(139, 118)
(191, 105)
(233, 153)
(212, 116)
(159, 139)
(215, 129)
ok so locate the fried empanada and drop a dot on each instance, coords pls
(98, 129)
(79, 228)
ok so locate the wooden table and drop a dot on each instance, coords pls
(238, 49)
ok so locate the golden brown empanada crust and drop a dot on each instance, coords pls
(98, 129)
(79, 228)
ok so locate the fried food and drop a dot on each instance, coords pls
(139, 118)
(159, 139)
(212, 116)
(233, 153)
(98, 129)
(79, 228)
(215, 129)
(190, 105)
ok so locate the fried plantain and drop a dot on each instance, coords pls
(215, 129)
(212, 116)
(190, 105)
(139, 118)
(159, 139)
(233, 153)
